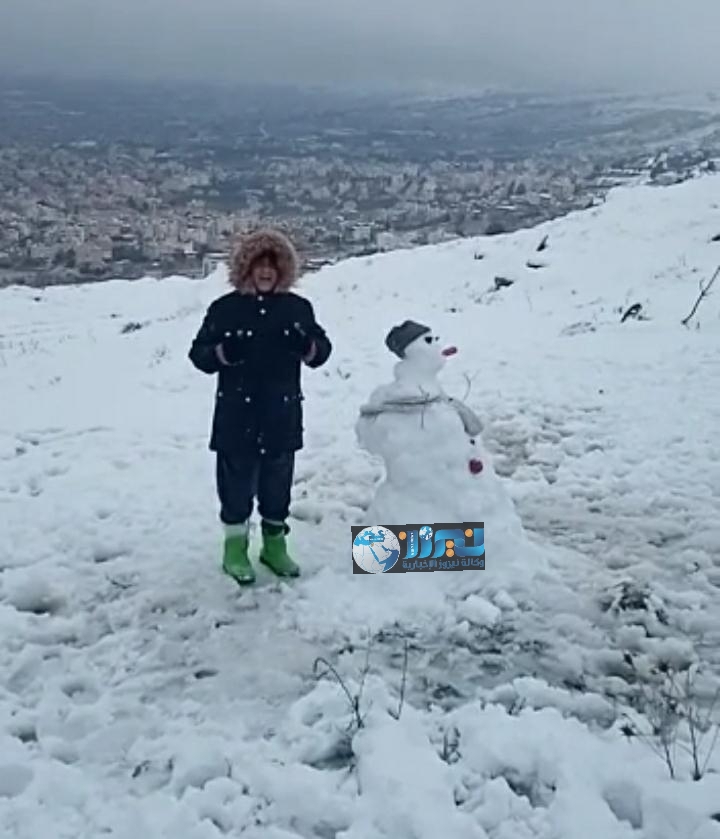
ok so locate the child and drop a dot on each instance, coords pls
(255, 339)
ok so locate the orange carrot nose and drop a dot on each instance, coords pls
(449, 351)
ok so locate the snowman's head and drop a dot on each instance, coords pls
(418, 348)
(426, 354)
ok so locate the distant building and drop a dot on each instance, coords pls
(41, 252)
(316, 264)
(91, 256)
(213, 261)
(362, 233)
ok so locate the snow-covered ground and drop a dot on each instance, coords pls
(143, 695)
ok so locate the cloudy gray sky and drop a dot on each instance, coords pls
(622, 44)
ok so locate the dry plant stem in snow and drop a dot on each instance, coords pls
(671, 703)
(704, 291)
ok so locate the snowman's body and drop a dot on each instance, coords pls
(427, 441)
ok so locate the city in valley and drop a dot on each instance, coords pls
(120, 180)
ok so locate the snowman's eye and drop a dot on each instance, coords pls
(428, 340)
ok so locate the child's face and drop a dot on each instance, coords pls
(264, 274)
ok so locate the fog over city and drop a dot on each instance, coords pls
(613, 44)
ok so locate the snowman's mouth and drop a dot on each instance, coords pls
(449, 351)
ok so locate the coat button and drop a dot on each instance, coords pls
(260, 297)
(239, 332)
(286, 331)
(228, 334)
(262, 311)
(247, 399)
(262, 451)
(249, 333)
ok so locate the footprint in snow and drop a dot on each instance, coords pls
(307, 512)
(34, 596)
(107, 553)
(34, 487)
(14, 779)
(55, 470)
(80, 690)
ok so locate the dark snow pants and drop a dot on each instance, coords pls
(244, 476)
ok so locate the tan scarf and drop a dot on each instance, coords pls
(416, 404)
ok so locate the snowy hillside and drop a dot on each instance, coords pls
(142, 695)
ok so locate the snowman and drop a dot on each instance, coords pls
(436, 468)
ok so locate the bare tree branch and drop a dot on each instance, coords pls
(704, 289)
(469, 383)
(403, 683)
(353, 701)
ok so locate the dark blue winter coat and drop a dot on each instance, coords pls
(258, 402)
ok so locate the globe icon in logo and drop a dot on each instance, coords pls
(376, 549)
(425, 532)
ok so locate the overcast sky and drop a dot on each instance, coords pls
(619, 44)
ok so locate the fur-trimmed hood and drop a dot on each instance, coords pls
(249, 247)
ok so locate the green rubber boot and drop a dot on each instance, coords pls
(236, 563)
(274, 551)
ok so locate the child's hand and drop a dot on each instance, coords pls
(233, 349)
(298, 341)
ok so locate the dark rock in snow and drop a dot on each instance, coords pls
(633, 311)
(502, 282)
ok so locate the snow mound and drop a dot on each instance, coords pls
(141, 695)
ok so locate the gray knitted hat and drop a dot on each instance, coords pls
(400, 337)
